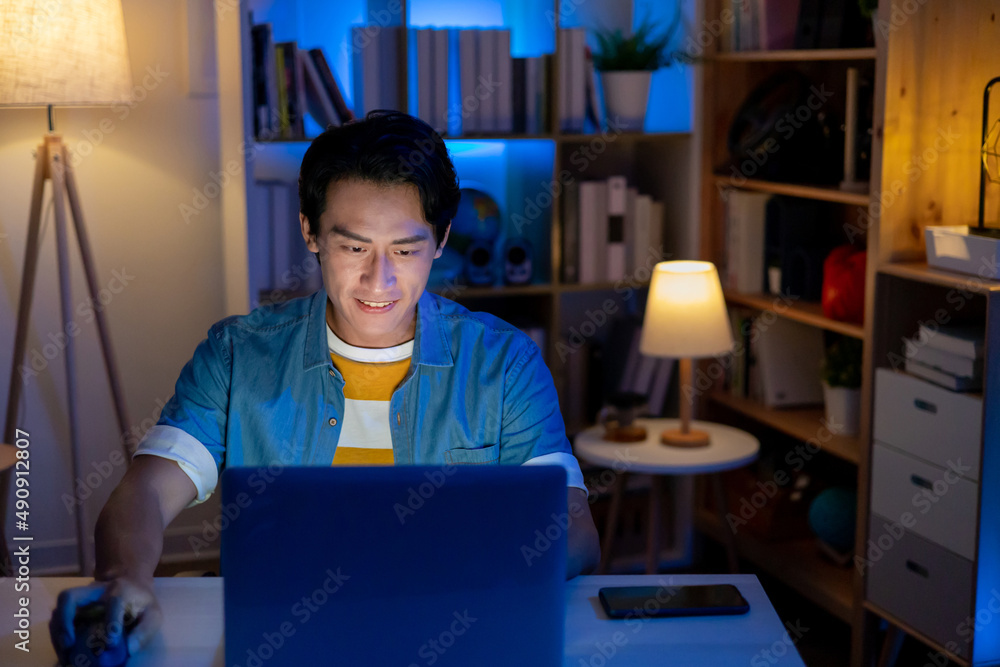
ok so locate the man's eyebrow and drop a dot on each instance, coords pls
(416, 238)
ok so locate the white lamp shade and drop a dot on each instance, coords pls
(686, 313)
(65, 52)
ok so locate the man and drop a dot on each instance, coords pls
(370, 370)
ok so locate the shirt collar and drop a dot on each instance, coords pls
(431, 345)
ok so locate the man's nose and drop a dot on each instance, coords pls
(381, 273)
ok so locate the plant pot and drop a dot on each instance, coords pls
(626, 95)
(843, 409)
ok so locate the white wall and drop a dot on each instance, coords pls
(133, 175)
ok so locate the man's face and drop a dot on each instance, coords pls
(376, 251)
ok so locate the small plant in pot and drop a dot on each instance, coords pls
(842, 386)
(626, 64)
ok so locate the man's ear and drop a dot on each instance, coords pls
(440, 248)
(307, 234)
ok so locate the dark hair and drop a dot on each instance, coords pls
(384, 148)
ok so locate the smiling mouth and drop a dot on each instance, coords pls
(376, 304)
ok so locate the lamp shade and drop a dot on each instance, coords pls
(66, 52)
(686, 313)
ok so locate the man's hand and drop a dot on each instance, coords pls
(123, 599)
(129, 540)
(583, 549)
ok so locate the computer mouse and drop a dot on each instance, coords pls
(92, 646)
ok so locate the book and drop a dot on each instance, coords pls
(333, 88)
(504, 110)
(295, 95)
(777, 23)
(423, 58)
(267, 124)
(563, 78)
(439, 107)
(660, 386)
(946, 380)
(468, 106)
(571, 232)
(389, 42)
(365, 70)
(518, 95)
(595, 110)
(615, 241)
(631, 231)
(789, 355)
(318, 101)
(745, 227)
(647, 239)
(593, 231)
(487, 72)
(948, 362)
(963, 341)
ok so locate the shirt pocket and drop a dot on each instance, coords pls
(489, 454)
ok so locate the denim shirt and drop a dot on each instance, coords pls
(262, 389)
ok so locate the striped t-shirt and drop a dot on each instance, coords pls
(370, 377)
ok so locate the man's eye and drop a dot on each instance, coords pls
(354, 249)
(406, 253)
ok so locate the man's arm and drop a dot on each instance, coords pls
(583, 550)
(129, 542)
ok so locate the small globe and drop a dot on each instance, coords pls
(832, 516)
(477, 219)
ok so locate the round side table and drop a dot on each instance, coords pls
(729, 448)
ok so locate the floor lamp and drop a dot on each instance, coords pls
(74, 54)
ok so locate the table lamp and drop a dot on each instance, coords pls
(72, 53)
(686, 318)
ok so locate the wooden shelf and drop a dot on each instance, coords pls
(622, 136)
(924, 273)
(908, 629)
(548, 136)
(468, 292)
(801, 423)
(797, 563)
(801, 311)
(794, 55)
(818, 192)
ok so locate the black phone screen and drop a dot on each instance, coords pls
(639, 601)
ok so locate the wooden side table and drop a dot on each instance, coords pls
(729, 448)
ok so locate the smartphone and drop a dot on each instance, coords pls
(655, 601)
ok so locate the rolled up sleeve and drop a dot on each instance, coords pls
(191, 429)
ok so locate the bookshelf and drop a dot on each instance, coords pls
(723, 82)
(513, 166)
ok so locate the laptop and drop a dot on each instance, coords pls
(397, 565)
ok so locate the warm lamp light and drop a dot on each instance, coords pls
(71, 52)
(686, 318)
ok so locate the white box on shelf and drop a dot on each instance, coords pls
(952, 247)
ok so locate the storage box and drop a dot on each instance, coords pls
(952, 247)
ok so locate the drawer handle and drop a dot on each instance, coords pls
(920, 481)
(926, 406)
(918, 568)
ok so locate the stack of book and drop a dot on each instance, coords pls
(375, 60)
(949, 356)
(289, 83)
(610, 232)
(578, 89)
(499, 94)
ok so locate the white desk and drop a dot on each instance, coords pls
(191, 635)
(728, 448)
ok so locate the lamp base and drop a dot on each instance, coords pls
(631, 433)
(676, 438)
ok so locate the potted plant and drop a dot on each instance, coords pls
(842, 386)
(626, 64)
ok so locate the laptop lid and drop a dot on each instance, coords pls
(404, 565)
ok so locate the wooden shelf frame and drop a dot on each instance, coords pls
(805, 312)
(802, 423)
(794, 55)
(817, 192)
(797, 563)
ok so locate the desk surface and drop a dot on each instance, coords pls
(728, 448)
(191, 635)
